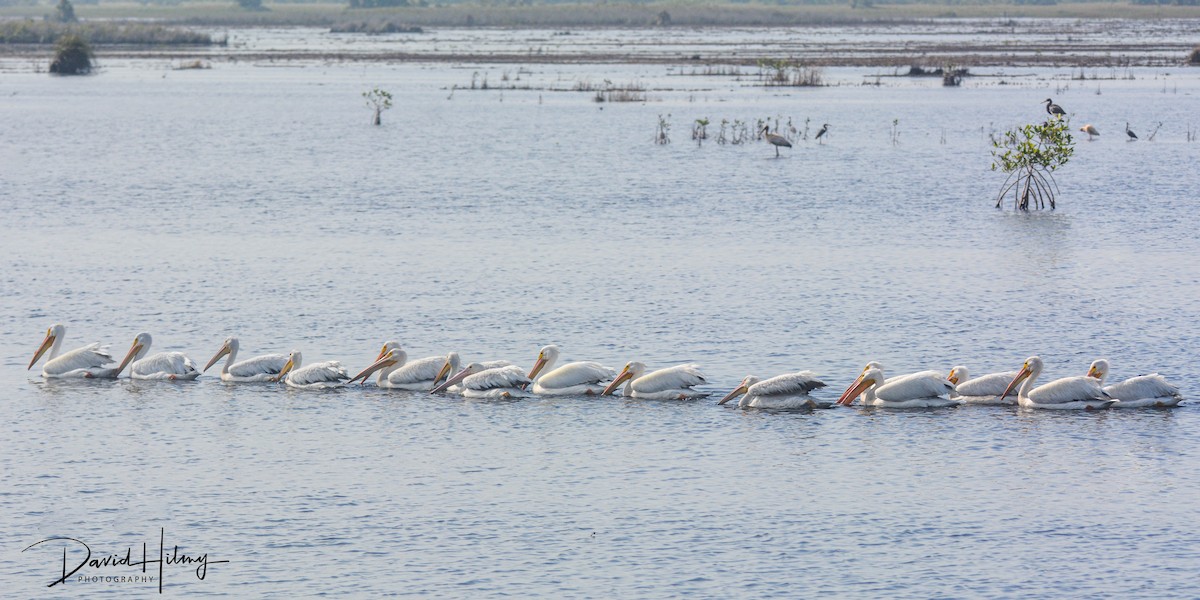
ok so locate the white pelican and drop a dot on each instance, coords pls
(395, 372)
(1090, 130)
(1068, 393)
(672, 383)
(985, 389)
(1137, 392)
(775, 140)
(91, 360)
(317, 376)
(893, 379)
(926, 389)
(782, 391)
(478, 381)
(259, 368)
(164, 365)
(571, 379)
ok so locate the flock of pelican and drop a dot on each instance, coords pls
(502, 379)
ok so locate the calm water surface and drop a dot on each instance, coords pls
(258, 201)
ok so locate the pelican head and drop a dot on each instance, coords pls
(387, 358)
(958, 374)
(871, 365)
(1099, 369)
(1032, 368)
(870, 376)
(53, 335)
(466, 371)
(547, 356)
(230, 346)
(632, 370)
(295, 359)
(388, 345)
(451, 365)
(141, 345)
(741, 389)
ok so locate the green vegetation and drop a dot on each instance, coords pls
(251, 5)
(378, 100)
(1030, 155)
(380, 26)
(786, 73)
(386, 3)
(72, 56)
(64, 12)
(46, 32)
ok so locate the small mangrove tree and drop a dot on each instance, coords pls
(1030, 155)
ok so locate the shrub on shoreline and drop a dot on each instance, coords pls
(72, 56)
(373, 27)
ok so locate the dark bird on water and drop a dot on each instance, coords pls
(776, 140)
(823, 131)
(1129, 132)
(1053, 108)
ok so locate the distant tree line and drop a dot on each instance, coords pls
(387, 3)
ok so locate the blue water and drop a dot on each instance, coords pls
(258, 201)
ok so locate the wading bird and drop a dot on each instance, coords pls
(1129, 132)
(822, 132)
(1054, 109)
(1090, 130)
(776, 140)
(781, 392)
(259, 368)
(91, 360)
(985, 389)
(571, 379)
(164, 365)
(478, 381)
(926, 389)
(671, 383)
(1137, 392)
(1068, 393)
(317, 376)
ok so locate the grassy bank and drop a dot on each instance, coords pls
(28, 31)
(594, 15)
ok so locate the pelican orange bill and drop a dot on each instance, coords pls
(46, 343)
(1024, 372)
(741, 389)
(625, 374)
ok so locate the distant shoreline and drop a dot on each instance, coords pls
(540, 35)
(665, 15)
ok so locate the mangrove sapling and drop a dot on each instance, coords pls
(700, 131)
(661, 133)
(379, 100)
(1150, 138)
(1030, 155)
